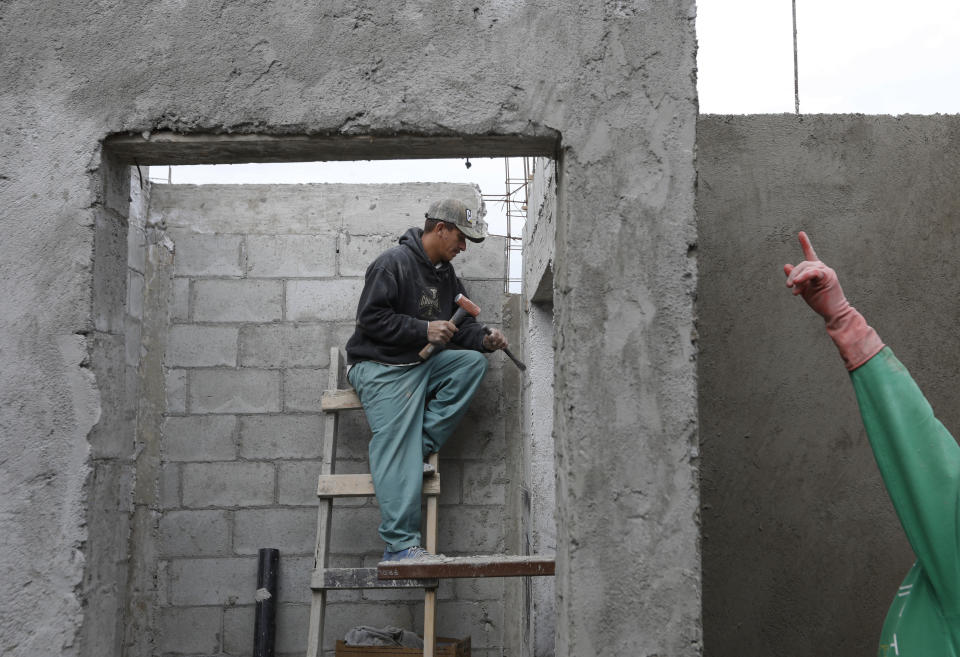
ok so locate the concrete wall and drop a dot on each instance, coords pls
(802, 551)
(608, 87)
(539, 469)
(265, 279)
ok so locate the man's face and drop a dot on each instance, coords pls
(452, 241)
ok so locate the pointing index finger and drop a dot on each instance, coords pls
(808, 252)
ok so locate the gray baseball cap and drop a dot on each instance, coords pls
(455, 212)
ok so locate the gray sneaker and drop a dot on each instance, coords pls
(416, 553)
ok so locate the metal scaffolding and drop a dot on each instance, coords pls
(518, 172)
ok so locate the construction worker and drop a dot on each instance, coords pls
(918, 459)
(413, 405)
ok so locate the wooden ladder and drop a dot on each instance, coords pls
(405, 574)
(334, 401)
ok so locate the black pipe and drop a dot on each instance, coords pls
(265, 627)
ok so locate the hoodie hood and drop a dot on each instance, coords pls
(413, 240)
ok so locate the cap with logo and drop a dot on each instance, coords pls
(455, 212)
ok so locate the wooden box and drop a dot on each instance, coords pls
(446, 647)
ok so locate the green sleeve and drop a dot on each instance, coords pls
(920, 464)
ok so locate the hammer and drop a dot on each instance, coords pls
(467, 307)
(464, 307)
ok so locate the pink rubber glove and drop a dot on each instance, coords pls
(820, 288)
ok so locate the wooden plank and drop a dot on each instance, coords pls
(361, 485)
(339, 400)
(362, 578)
(478, 566)
(163, 147)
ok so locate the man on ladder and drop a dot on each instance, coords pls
(413, 405)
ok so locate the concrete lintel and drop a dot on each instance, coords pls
(172, 148)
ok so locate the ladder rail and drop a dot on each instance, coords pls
(330, 486)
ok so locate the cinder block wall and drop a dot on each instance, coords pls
(265, 280)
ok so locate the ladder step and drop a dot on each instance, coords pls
(497, 565)
(363, 578)
(339, 400)
(361, 485)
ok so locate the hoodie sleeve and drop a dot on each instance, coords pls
(377, 316)
(470, 335)
(920, 464)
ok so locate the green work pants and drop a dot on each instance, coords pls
(411, 411)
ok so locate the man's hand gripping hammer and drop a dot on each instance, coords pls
(464, 307)
(467, 307)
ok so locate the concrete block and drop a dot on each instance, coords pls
(412, 596)
(176, 385)
(485, 260)
(134, 293)
(108, 524)
(136, 247)
(481, 431)
(293, 622)
(482, 621)
(195, 534)
(292, 531)
(190, 630)
(238, 626)
(302, 390)
(329, 300)
(169, 486)
(285, 345)
(213, 581)
(250, 209)
(189, 345)
(291, 256)
(489, 295)
(112, 436)
(295, 573)
(484, 482)
(451, 481)
(206, 255)
(471, 530)
(179, 304)
(234, 391)
(199, 438)
(354, 436)
(358, 251)
(354, 531)
(281, 436)
(133, 346)
(297, 483)
(109, 272)
(236, 484)
(483, 588)
(163, 583)
(237, 301)
(340, 332)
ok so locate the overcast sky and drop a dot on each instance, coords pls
(874, 57)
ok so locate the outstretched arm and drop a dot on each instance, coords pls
(918, 459)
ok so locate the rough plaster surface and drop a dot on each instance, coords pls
(539, 469)
(802, 551)
(612, 82)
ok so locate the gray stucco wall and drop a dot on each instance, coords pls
(610, 86)
(802, 551)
